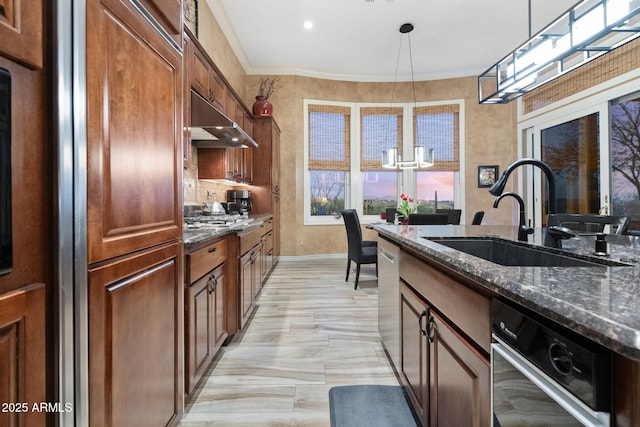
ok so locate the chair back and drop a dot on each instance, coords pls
(477, 218)
(354, 232)
(391, 214)
(454, 215)
(428, 219)
(589, 223)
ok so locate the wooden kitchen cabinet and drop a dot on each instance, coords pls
(267, 258)
(414, 348)
(234, 164)
(205, 79)
(265, 193)
(250, 275)
(134, 133)
(205, 319)
(134, 219)
(23, 329)
(445, 335)
(136, 330)
(22, 30)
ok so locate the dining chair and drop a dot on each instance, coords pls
(590, 223)
(359, 251)
(428, 219)
(477, 218)
(454, 215)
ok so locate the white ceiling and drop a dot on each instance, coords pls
(359, 40)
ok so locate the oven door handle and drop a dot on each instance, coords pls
(566, 400)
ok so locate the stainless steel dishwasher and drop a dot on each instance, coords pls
(389, 297)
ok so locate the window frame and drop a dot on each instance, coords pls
(353, 179)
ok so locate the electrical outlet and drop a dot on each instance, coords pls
(301, 242)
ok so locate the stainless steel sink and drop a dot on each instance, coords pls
(508, 253)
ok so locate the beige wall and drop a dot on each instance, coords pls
(490, 137)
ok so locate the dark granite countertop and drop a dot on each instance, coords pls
(194, 239)
(600, 303)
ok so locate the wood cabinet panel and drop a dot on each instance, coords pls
(136, 316)
(206, 323)
(265, 193)
(21, 31)
(23, 355)
(414, 352)
(201, 262)
(459, 380)
(134, 134)
(168, 13)
(246, 276)
(446, 293)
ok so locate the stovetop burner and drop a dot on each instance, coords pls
(213, 221)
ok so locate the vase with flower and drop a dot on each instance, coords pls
(406, 207)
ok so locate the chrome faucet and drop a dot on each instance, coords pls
(523, 230)
(554, 233)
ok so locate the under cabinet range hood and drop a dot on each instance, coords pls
(210, 128)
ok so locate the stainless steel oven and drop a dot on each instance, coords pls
(543, 375)
(5, 172)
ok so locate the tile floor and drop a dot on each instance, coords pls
(310, 332)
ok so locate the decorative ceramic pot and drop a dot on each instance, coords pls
(262, 107)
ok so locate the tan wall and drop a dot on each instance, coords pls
(490, 137)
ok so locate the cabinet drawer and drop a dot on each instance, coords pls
(201, 262)
(249, 239)
(267, 226)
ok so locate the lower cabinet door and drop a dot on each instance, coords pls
(22, 356)
(459, 380)
(136, 325)
(247, 296)
(218, 300)
(200, 318)
(414, 352)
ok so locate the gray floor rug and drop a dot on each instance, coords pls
(369, 406)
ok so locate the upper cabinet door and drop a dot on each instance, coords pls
(134, 135)
(21, 31)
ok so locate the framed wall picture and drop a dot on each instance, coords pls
(487, 175)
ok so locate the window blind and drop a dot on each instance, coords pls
(329, 137)
(437, 127)
(380, 129)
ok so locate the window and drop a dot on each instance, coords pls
(343, 149)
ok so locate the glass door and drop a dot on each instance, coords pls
(625, 158)
(571, 149)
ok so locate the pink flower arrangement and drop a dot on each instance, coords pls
(407, 205)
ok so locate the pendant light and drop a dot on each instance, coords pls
(589, 29)
(390, 158)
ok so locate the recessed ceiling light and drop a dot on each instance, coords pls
(307, 25)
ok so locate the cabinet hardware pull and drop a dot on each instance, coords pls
(212, 284)
(211, 250)
(422, 316)
(432, 328)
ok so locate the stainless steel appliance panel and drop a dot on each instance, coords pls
(389, 298)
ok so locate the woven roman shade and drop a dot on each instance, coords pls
(438, 127)
(381, 129)
(329, 137)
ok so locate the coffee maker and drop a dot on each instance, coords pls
(241, 199)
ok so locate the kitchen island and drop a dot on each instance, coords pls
(600, 303)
